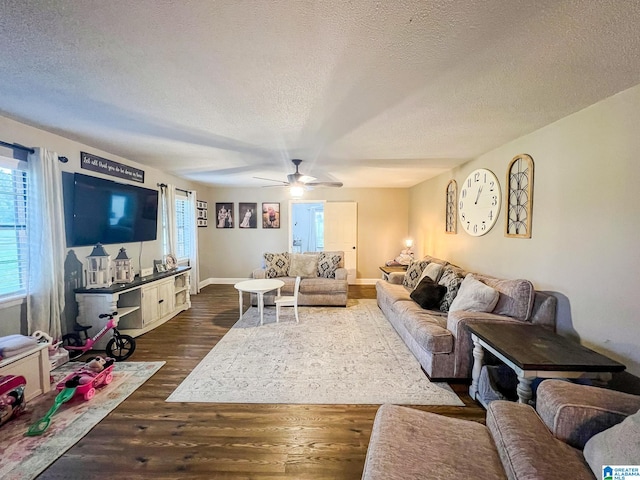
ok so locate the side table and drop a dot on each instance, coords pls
(533, 351)
(386, 271)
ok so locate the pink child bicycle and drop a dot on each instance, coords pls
(120, 347)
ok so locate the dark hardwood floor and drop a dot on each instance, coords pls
(145, 437)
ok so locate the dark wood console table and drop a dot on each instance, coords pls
(533, 352)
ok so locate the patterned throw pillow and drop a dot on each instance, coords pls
(414, 271)
(276, 264)
(328, 263)
(452, 280)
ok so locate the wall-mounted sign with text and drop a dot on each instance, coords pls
(109, 167)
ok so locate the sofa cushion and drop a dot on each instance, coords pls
(451, 278)
(516, 296)
(304, 266)
(474, 296)
(414, 270)
(428, 294)
(318, 285)
(433, 271)
(427, 328)
(618, 445)
(410, 444)
(328, 263)
(276, 264)
(527, 448)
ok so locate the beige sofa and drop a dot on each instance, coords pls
(315, 290)
(438, 338)
(517, 442)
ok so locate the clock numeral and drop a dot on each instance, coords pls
(494, 201)
(461, 204)
(491, 185)
(490, 214)
(476, 177)
(475, 228)
(464, 193)
(484, 225)
(469, 182)
(463, 216)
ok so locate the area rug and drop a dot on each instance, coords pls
(25, 457)
(334, 355)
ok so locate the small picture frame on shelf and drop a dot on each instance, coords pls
(158, 266)
(170, 262)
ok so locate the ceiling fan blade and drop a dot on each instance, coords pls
(324, 184)
(272, 180)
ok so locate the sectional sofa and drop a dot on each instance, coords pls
(437, 337)
(574, 433)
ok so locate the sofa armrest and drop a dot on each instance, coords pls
(574, 413)
(463, 346)
(341, 273)
(396, 278)
(259, 273)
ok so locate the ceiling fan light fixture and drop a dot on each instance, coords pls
(296, 191)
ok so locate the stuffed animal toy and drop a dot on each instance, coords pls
(91, 368)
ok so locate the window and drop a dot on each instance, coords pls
(13, 228)
(184, 227)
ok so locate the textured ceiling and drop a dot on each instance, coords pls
(367, 93)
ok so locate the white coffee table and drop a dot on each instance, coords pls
(260, 287)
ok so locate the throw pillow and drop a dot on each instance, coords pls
(618, 445)
(328, 263)
(433, 271)
(414, 270)
(302, 265)
(451, 279)
(428, 294)
(474, 296)
(276, 264)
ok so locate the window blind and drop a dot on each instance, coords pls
(183, 228)
(13, 228)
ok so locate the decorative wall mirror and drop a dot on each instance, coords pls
(519, 197)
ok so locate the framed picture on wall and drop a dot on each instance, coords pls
(248, 215)
(519, 197)
(224, 215)
(270, 215)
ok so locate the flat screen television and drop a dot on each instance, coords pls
(110, 212)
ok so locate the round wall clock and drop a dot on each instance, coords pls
(480, 200)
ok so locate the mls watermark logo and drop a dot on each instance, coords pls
(621, 472)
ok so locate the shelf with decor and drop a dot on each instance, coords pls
(142, 305)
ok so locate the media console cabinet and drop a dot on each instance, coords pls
(142, 305)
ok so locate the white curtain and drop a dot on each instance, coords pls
(168, 197)
(45, 227)
(193, 248)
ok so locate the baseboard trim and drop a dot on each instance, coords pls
(365, 281)
(221, 281)
(232, 281)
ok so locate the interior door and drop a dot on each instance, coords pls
(341, 233)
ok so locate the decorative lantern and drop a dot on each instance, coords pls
(98, 268)
(123, 270)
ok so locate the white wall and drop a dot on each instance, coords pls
(12, 319)
(235, 253)
(586, 223)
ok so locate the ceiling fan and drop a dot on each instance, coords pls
(297, 179)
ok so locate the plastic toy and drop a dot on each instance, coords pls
(120, 347)
(82, 382)
(11, 396)
(41, 425)
(94, 373)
